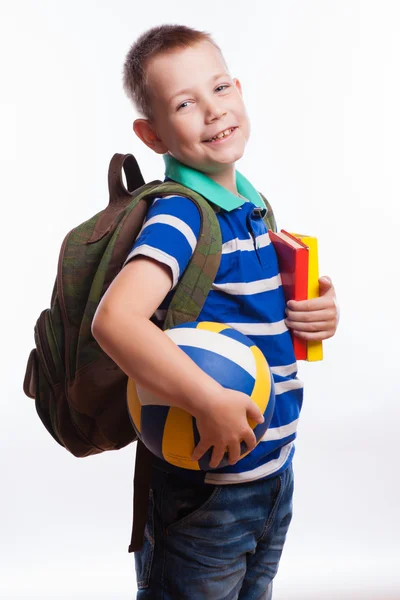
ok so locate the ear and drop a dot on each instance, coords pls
(145, 131)
(238, 86)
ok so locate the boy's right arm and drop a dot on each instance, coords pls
(123, 329)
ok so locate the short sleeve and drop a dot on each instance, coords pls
(169, 234)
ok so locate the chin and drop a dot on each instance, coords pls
(231, 157)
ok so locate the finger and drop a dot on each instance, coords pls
(200, 450)
(325, 284)
(319, 336)
(324, 279)
(319, 303)
(250, 440)
(217, 455)
(310, 327)
(234, 453)
(326, 314)
(253, 413)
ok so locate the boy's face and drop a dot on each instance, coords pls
(193, 100)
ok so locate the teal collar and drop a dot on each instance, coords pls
(215, 193)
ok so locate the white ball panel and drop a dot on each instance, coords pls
(215, 342)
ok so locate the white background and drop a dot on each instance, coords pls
(321, 81)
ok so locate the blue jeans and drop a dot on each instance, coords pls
(213, 542)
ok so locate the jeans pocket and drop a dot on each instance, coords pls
(144, 557)
(181, 503)
(281, 501)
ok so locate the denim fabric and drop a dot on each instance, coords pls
(212, 542)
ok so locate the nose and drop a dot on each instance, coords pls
(214, 111)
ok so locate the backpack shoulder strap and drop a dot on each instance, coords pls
(269, 218)
(195, 284)
(119, 194)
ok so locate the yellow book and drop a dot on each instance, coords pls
(314, 349)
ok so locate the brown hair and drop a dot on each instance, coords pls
(151, 43)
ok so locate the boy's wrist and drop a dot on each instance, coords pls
(199, 400)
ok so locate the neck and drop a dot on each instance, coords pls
(226, 179)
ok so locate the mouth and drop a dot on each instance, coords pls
(220, 137)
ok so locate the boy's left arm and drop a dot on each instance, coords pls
(317, 318)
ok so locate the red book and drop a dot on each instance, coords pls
(293, 265)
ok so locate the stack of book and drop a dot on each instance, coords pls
(298, 263)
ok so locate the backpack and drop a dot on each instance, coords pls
(79, 392)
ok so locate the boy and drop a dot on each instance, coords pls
(216, 535)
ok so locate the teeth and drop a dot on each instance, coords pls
(221, 135)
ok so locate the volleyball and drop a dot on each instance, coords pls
(230, 358)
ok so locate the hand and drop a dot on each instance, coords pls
(315, 319)
(223, 424)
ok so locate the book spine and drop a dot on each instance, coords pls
(314, 348)
(300, 346)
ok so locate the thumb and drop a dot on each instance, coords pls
(254, 413)
(325, 284)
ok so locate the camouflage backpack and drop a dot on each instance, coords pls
(79, 392)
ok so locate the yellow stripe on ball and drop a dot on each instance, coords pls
(178, 439)
(210, 326)
(134, 406)
(262, 386)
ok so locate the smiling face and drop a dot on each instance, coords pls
(198, 112)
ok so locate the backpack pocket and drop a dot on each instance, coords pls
(37, 386)
(30, 379)
(43, 378)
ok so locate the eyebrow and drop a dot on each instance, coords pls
(187, 90)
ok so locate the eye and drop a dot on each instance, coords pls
(183, 105)
(222, 87)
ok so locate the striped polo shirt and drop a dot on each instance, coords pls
(247, 294)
